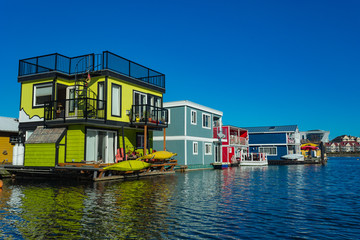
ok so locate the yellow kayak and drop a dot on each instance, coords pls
(129, 165)
(161, 155)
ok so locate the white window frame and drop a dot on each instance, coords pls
(269, 154)
(169, 116)
(195, 147)
(35, 90)
(209, 122)
(193, 120)
(208, 146)
(114, 110)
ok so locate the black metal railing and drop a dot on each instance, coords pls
(146, 114)
(90, 62)
(77, 108)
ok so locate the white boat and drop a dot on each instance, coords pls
(294, 157)
(254, 159)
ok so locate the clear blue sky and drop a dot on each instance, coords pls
(260, 62)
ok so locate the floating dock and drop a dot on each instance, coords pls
(93, 172)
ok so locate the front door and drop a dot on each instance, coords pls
(217, 152)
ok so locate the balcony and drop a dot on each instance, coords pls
(291, 140)
(90, 63)
(141, 115)
(75, 109)
(236, 140)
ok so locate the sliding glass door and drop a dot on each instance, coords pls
(101, 145)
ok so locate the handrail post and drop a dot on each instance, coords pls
(56, 58)
(86, 99)
(37, 65)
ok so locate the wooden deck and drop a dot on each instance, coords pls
(89, 171)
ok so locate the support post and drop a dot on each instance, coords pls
(145, 139)
(164, 139)
(123, 140)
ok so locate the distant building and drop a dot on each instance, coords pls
(315, 136)
(8, 136)
(276, 141)
(343, 144)
(190, 134)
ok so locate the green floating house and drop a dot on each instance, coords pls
(87, 109)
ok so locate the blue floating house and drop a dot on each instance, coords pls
(190, 134)
(276, 141)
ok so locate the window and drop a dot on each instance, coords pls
(195, 148)
(206, 120)
(42, 94)
(216, 121)
(101, 95)
(193, 117)
(139, 140)
(115, 100)
(271, 151)
(140, 100)
(208, 148)
(28, 134)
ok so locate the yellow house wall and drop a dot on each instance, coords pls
(27, 98)
(6, 149)
(127, 90)
(75, 143)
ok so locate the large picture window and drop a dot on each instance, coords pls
(270, 151)
(206, 120)
(116, 100)
(42, 94)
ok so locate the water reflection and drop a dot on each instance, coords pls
(100, 210)
(312, 201)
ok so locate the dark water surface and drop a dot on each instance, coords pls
(272, 202)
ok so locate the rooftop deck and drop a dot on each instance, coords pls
(90, 63)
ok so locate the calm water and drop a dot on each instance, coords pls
(297, 202)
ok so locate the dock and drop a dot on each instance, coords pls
(90, 172)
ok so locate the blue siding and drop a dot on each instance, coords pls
(175, 146)
(191, 158)
(197, 130)
(267, 138)
(281, 151)
(176, 126)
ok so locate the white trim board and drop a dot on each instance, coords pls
(193, 105)
(188, 138)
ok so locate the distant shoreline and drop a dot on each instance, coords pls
(356, 154)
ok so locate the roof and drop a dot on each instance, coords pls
(269, 129)
(46, 135)
(9, 124)
(193, 105)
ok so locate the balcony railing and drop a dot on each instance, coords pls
(79, 108)
(149, 115)
(291, 140)
(236, 140)
(90, 62)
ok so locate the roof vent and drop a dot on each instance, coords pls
(272, 128)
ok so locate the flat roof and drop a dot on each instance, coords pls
(193, 105)
(8, 124)
(269, 129)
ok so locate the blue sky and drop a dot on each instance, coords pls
(260, 62)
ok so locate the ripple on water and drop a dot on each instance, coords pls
(272, 202)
